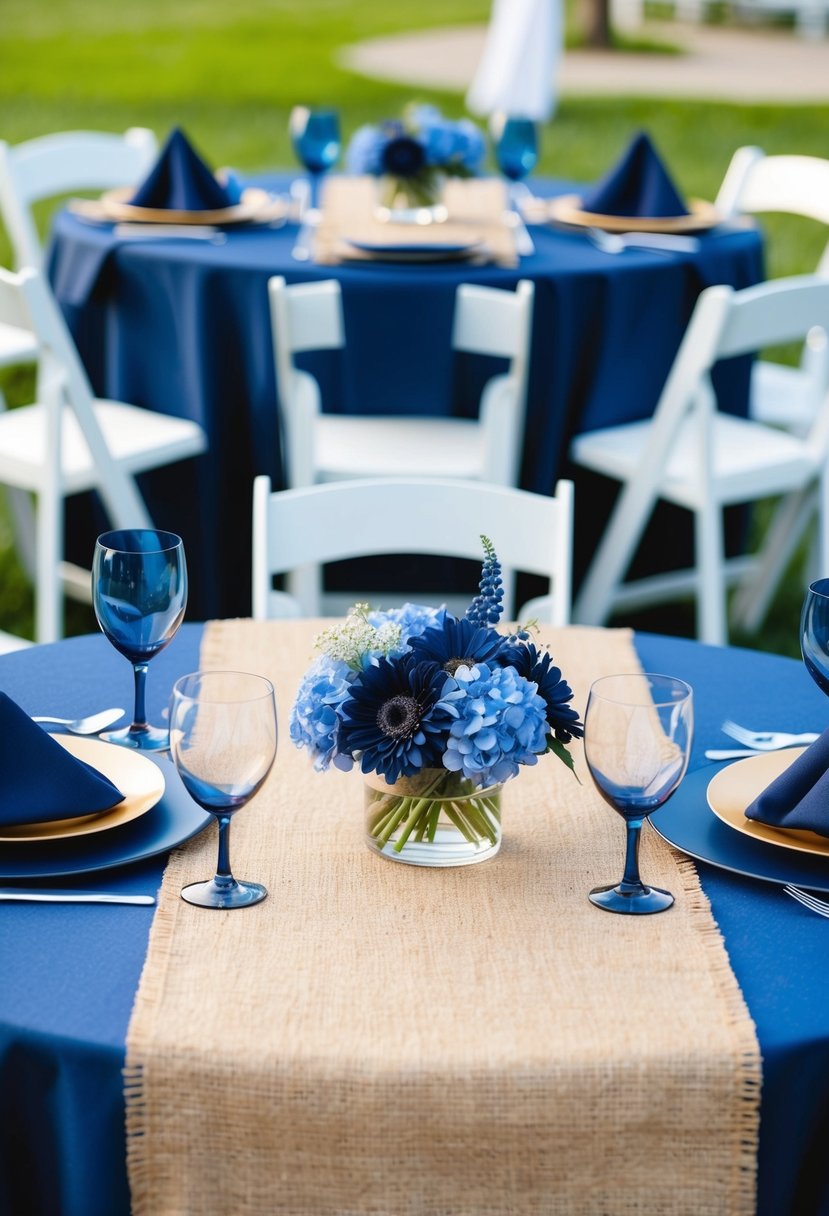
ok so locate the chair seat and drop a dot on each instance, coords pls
(17, 346)
(381, 447)
(783, 396)
(747, 457)
(141, 439)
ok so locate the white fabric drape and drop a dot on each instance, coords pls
(518, 68)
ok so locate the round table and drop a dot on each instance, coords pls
(70, 972)
(182, 326)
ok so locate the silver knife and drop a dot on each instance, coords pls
(10, 895)
(524, 244)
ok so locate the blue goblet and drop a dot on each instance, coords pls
(637, 739)
(515, 143)
(139, 593)
(814, 633)
(315, 136)
(223, 743)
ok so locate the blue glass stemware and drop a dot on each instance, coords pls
(515, 143)
(315, 136)
(637, 740)
(814, 633)
(223, 743)
(139, 593)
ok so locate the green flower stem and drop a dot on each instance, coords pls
(416, 816)
(394, 820)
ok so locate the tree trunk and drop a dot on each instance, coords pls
(596, 22)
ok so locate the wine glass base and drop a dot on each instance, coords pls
(636, 901)
(212, 894)
(150, 739)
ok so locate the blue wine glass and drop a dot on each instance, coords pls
(139, 593)
(515, 143)
(315, 136)
(814, 633)
(223, 743)
(637, 740)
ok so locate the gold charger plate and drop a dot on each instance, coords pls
(139, 780)
(255, 204)
(567, 209)
(733, 788)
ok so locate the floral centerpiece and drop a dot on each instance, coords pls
(412, 155)
(439, 711)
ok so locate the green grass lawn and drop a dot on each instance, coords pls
(229, 75)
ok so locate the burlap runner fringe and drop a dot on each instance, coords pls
(178, 1165)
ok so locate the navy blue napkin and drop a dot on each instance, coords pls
(799, 797)
(39, 779)
(180, 180)
(638, 185)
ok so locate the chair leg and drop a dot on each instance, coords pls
(711, 623)
(48, 591)
(755, 593)
(613, 556)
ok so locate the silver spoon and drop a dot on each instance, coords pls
(86, 726)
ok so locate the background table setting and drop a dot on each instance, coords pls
(606, 323)
(337, 983)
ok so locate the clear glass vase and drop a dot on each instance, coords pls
(411, 200)
(434, 819)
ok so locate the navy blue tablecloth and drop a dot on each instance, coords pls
(182, 327)
(69, 974)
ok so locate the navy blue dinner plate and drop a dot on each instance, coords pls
(174, 819)
(688, 823)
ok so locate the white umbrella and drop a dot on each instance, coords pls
(517, 70)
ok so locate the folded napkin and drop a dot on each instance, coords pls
(39, 779)
(181, 181)
(638, 185)
(799, 797)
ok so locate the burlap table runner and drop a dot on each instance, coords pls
(380, 1038)
(476, 207)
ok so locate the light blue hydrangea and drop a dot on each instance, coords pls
(413, 620)
(314, 718)
(499, 723)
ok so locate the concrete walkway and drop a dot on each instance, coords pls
(718, 63)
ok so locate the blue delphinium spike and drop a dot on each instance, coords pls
(487, 605)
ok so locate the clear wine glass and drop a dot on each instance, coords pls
(315, 136)
(637, 739)
(814, 633)
(223, 743)
(515, 143)
(139, 593)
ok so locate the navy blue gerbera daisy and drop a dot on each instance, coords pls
(562, 718)
(390, 719)
(455, 643)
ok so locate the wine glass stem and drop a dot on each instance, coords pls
(224, 878)
(631, 877)
(140, 715)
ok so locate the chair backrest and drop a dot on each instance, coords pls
(369, 517)
(56, 164)
(725, 323)
(27, 303)
(796, 185)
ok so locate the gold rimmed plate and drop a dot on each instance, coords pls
(140, 781)
(567, 209)
(255, 205)
(733, 788)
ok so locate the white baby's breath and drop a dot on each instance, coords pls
(355, 639)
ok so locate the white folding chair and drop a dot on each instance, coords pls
(691, 454)
(53, 165)
(328, 447)
(411, 515)
(796, 185)
(68, 442)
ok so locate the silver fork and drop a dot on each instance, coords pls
(809, 901)
(763, 741)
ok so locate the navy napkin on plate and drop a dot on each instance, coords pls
(799, 797)
(39, 779)
(180, 180)
(638, 185)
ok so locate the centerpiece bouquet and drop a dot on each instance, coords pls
(439, 712)
(412, 155)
